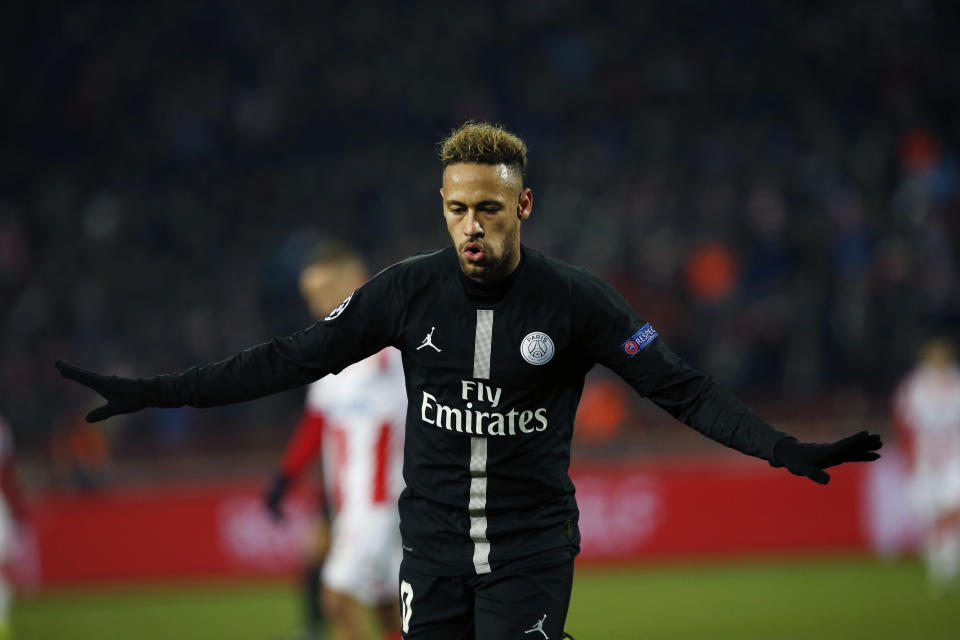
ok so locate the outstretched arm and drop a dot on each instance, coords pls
(277, 365)
(253, 373)
(618, 338)
(365, 323)
(696, 400)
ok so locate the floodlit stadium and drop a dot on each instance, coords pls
(682, 211)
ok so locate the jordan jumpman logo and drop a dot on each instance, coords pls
(539, 627)
(428, 341)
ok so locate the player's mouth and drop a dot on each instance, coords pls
(474, 251)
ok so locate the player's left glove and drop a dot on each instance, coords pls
(273, 496)
(810, 459)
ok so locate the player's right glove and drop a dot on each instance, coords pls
(273, 496)
(123, 395)
(810, 459)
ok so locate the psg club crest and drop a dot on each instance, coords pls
(537, 348)
(336, 312)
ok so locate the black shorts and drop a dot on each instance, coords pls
(530, 604)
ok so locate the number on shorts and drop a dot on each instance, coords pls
(406, 605)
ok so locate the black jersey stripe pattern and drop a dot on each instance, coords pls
(482, 346)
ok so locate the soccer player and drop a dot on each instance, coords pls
(355, 420)
(927, 414)
(12, 510)
(496, 339)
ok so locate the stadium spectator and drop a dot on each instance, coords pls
(698, 116)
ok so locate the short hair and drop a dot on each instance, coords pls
(483, 143)
(329, 253)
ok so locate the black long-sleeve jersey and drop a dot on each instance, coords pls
(493, 377)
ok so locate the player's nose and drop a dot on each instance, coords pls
(472, 224)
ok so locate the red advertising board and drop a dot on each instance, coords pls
(629, 511)
(170, 533)
(633, 512)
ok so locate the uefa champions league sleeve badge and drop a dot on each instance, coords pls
(343, 305)
(537, 348)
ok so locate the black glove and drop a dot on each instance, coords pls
(273, 496)
(123, 395)
(810, 460)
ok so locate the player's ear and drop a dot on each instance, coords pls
(525, 204)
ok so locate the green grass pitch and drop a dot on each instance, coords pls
(805, 599)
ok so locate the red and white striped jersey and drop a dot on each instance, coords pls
(360, 413)
(927, 407)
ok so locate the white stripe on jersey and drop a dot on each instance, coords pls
(478, 450)
(482, 343)
(478, 503)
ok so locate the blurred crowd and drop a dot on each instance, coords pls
(774, 185)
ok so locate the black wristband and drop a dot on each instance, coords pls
(783, 450)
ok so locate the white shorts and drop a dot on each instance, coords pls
(936, 491)
(364, 557)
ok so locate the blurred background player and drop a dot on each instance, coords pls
(12, 510)
(354, 422)
(927, 414)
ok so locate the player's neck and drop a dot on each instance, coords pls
(492, 290)
(492, 278)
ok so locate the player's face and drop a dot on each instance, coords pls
(324, 286)
(484, 205)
